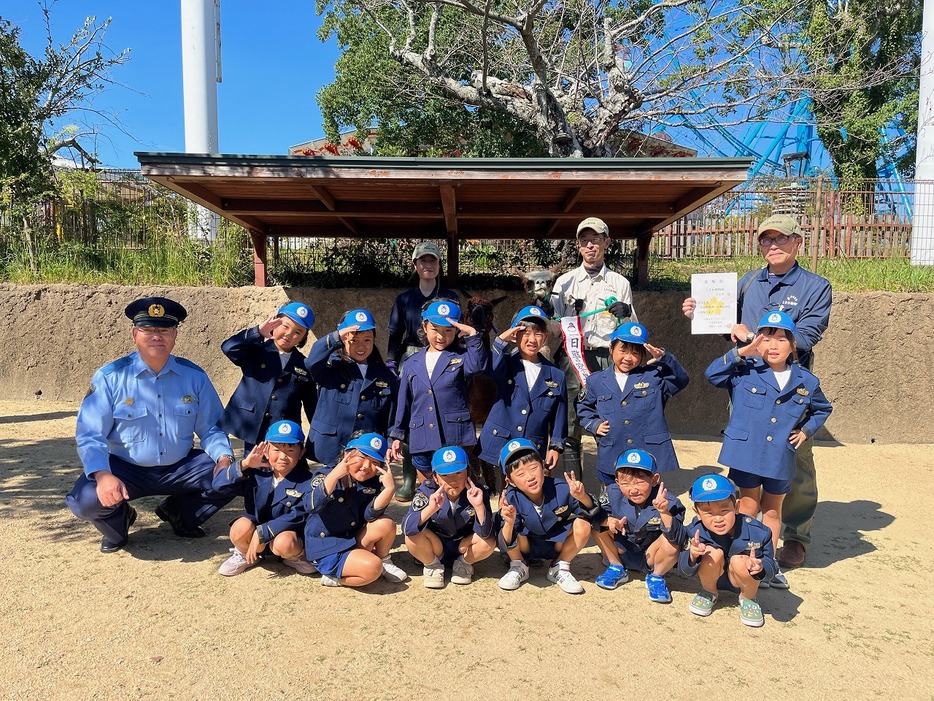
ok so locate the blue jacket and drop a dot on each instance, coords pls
(272, 509)
(268, 392)
(453, 521)
(432, 411)
(347, 402)
(636, 416)
(643, 524)
(540, 415)
(334, 520)
(803, 295)
(559, 509)
(746, 532)
(756, 438)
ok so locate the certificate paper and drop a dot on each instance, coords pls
(716, 302)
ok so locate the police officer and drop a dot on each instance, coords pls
(136, 430)
(582, 291)
(782, 285)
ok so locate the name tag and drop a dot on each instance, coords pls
(293, 493)
(803, 392)
(560, 510)
(640, 385)
(381, 384)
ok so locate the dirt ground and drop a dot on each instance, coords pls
(156, 621)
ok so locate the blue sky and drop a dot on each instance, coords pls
(273, 64)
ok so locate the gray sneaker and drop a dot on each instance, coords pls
(300, 565)
(329, 581)
(235, 564)
(777, 582)
(392, 572)
(461, 572)
(433, 577)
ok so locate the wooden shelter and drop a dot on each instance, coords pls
(450, 198)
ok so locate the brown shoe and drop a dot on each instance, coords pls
(791, 554)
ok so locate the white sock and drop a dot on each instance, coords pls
(434, 564)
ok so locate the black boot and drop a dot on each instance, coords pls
(409, 478)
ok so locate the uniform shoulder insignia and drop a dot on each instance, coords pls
(293, 493)
(188, 364)
(803, 392)
(317, 481)
(419, 501)
(640, 385)
(604, 499)
(91, 389)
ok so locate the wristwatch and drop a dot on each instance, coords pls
(228, 456)
(750, 336)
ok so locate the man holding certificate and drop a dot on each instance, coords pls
(782, 285)
(590, 302)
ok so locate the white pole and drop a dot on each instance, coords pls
(922, 224)
(200, 75)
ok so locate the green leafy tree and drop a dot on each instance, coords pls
(506, 77)
(37, 96)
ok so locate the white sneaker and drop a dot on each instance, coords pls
(564, 579)
(391, 572)
(300, 565)
(433, 577)
(517, 574)
(461, 572)
(235, 564)
(329, 581)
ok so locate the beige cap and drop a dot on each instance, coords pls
(781, 223)
(426, 248)
(594, 224)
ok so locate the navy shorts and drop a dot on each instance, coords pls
(632, 556)
(332, 564)
(540, 549)
(422, 463)
(747, 480)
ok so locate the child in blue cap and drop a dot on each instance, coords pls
(451, 525)
(348, 536)
(541, 517)
(356, 391)
(624, 406)
(728, 551)
(776, 406)
(275, 384)
(431, 410)
(644, 526)
(273, 485)
(532, 398)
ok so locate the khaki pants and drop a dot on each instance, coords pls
(597, 360)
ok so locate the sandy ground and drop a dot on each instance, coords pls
(156, 621)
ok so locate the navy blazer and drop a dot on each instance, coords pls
(335, 519)
(453, 521)
(643, 524)
(432, 411)
(636, 416)
(559, 509)
(747, 532)
(347, 402)
(268, 392)
(763, 416)
(272, 509)
(541, 415)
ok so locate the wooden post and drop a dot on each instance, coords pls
(259, 258)
(818, 221)
(643, 243)
(453, 259)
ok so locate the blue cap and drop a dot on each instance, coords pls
(529, 312)
(777, 320)
(448, 460)
(357, 317)
(514, 448)
(155, 311)
(285, 432)
(370, 444)
(300, 313)
(712, 488)
(631, 332)
(637, 460)
(440, 311)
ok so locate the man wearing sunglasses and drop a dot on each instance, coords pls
(136, 429)
(783, 285)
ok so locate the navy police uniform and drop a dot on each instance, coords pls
(405, 321)
(453, 522)
(432, 411)
(335, 519)
(273, 508)
(268, 392)
(636, 414)
(747, 533)
(763, 416)
(643, 524)
(347, 402)
(538, 413)
(553, 525)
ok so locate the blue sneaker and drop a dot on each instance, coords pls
(658, 590)
(612, 577)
